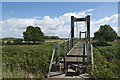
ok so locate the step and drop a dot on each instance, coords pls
(74, 56)
(74, 66)
(73, 62)
(66, 78)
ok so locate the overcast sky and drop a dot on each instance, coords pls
(54, 17)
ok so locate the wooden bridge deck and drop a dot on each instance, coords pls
(74, 65)
(77, 50)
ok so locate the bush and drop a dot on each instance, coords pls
(8, 43)
(99, 43)
(32, 59)
(51, 37)
(105, 63)
(17, 41)
(105, 33)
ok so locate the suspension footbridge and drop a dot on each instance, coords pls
(70, 58)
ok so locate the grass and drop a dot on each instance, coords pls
(25, 61)
(20, 60)
(52, 40)
(26, 58)
(106, 61)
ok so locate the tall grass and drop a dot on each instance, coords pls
(21, 60)
(106, 62)
(27, 61)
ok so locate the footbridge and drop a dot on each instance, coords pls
(70, 58)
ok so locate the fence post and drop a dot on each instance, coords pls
(72, 30)
(88, 52)
(83, 52)
(51, 63)
(73, 41)
(80, 35)
(57, 53)
(92, 57)
(85, 36)
(68, 45)
(64, 57)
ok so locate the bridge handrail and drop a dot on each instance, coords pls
(53, 54)
(92, 62)
(51, 62)
(89, 52)
(66, 40)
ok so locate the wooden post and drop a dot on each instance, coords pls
(88, 28)
(92, 57)
(73, 41)
(64, 57)
(83, 52)
(68, 45)
(88, 52)
(51, 63)
(85, 36)
(57, 53)
(80, 35)
(72, 30)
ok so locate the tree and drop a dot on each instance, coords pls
(105, 33)
(33, 34)
(51, 37)
(17, 41)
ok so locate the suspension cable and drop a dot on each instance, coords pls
(77, 29)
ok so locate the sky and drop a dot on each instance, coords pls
(54, 18)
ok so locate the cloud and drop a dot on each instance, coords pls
(57, 26)
(111, 20)
(90, 10)
(107, 20)
(36, 17)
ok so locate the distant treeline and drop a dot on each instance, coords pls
(51, 37)
(14, 41)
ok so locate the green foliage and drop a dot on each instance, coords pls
(51, 37)
(100, 43)
(2, 42)
(17, 41)
(20, 60)
(105, 33)
(33, 34)
(8, 42)
(105, 63)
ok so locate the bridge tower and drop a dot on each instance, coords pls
(87, 20)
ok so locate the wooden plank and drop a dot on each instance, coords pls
(57, 53)
(64, 59)
(79, 19)
(74, 55)
(51, 63)
(80, 35)
(83, 32)
(83, 52)
(88, 28)
(73, 62)
(68, 45)
(72, 30)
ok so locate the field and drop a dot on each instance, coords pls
(32, 61)
(106, 61)
(20, 61)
